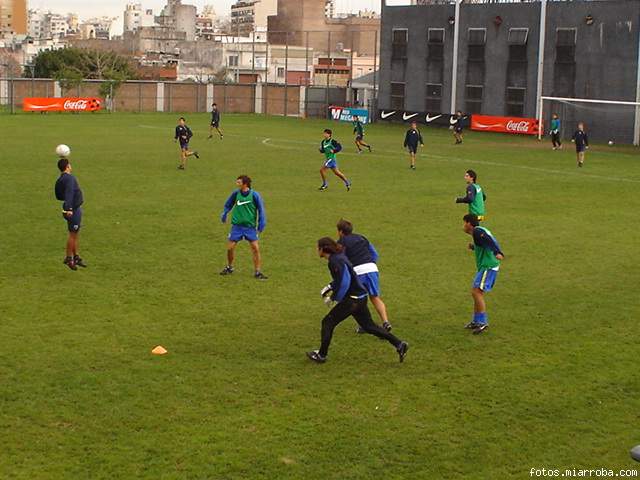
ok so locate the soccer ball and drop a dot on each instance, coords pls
(63, 150)
(611, 143)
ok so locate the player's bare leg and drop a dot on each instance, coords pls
(382, 311)
(257, 259)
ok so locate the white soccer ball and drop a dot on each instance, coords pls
(611, 143)
(63, 150)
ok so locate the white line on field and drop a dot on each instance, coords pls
(442, 158)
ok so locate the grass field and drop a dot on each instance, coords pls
(552, 384)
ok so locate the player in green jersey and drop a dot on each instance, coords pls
(475, 196)
(358, 129)
(488, 256)
(329, 147)
(248, 219)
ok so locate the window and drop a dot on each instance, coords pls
(474, 98)
(399, 45)
(566, 36)
(434, 98)
(476, 53)
(280, 72)
(477, 36)
(517, 53)
(233, 60)
(397, 96)
(515, 101)
(435, 35)
(518, 36)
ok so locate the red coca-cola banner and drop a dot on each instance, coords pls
(62, 104)
(488, 123)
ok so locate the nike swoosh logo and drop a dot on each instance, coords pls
(244, 203)
(384, 115)
(431, 119)
(407, 117)
(453, 120)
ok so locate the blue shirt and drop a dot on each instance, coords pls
(345, 281)
(68, 190)
(358, 249)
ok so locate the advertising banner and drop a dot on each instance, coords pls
(345, 114)
(62, 104)
(424, 118)
(488, 123)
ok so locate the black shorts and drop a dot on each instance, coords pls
(457, 129)
(359, 138)
(215, 124)
(412, 148)
(74, 222)
(184, 145)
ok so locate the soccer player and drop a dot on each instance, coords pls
(363, 256)
(351, 298)
(215, 121)
(488, 257)
(248, 219)
(475, 196)
(582, 143)
(184, 134)
(457, 124)
(555, 132)
(68, 191)
(329, 147)
(411, 141)
(358, 129)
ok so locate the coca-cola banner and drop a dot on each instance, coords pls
(488, 123)
(63, 104)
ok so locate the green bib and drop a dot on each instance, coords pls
(327, 147)
(477, 206)
(245, 211)
(485, 259)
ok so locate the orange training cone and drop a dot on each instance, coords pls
(159, 350)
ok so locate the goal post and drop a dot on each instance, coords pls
(606, 119)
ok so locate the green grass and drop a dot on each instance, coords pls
(553, 384)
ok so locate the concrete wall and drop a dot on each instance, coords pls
(606, 58)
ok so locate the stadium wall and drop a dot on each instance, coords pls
(500, 76)
(149, 96)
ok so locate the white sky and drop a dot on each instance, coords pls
(114, 8)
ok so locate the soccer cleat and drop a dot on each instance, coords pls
(228, 270)
(580, 164)
(323, 187)
(480, 328)
(180, 167)
(316, 357)
(386, 326)
(359, 152)
(369, 147)
(221, 136)
(412, 167)
(195, 154)
(68, 261)
(471, 325)
(348, 185)
(402, 350)
(260, 276)
(79, 262)
(209, 137)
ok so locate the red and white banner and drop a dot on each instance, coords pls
(488, 123)
(62, 104)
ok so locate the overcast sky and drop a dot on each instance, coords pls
(114, 8)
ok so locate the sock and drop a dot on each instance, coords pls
(480, 317)
(347, 182)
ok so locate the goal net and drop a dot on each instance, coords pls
(605, 120)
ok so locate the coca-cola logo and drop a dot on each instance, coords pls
(76, 105)
(522, 126)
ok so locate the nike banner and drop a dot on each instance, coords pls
(346, 114)
(488, 123)
(62, 104)
(422, 118)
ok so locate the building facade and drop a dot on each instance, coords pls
(13, 17)
(590, 51)
(135, 17)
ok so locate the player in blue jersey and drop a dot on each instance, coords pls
(582, 143)
(364, 257)
(248, 219)
(351, 298)
(183, 135)
(68, 191)
(488, 257)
